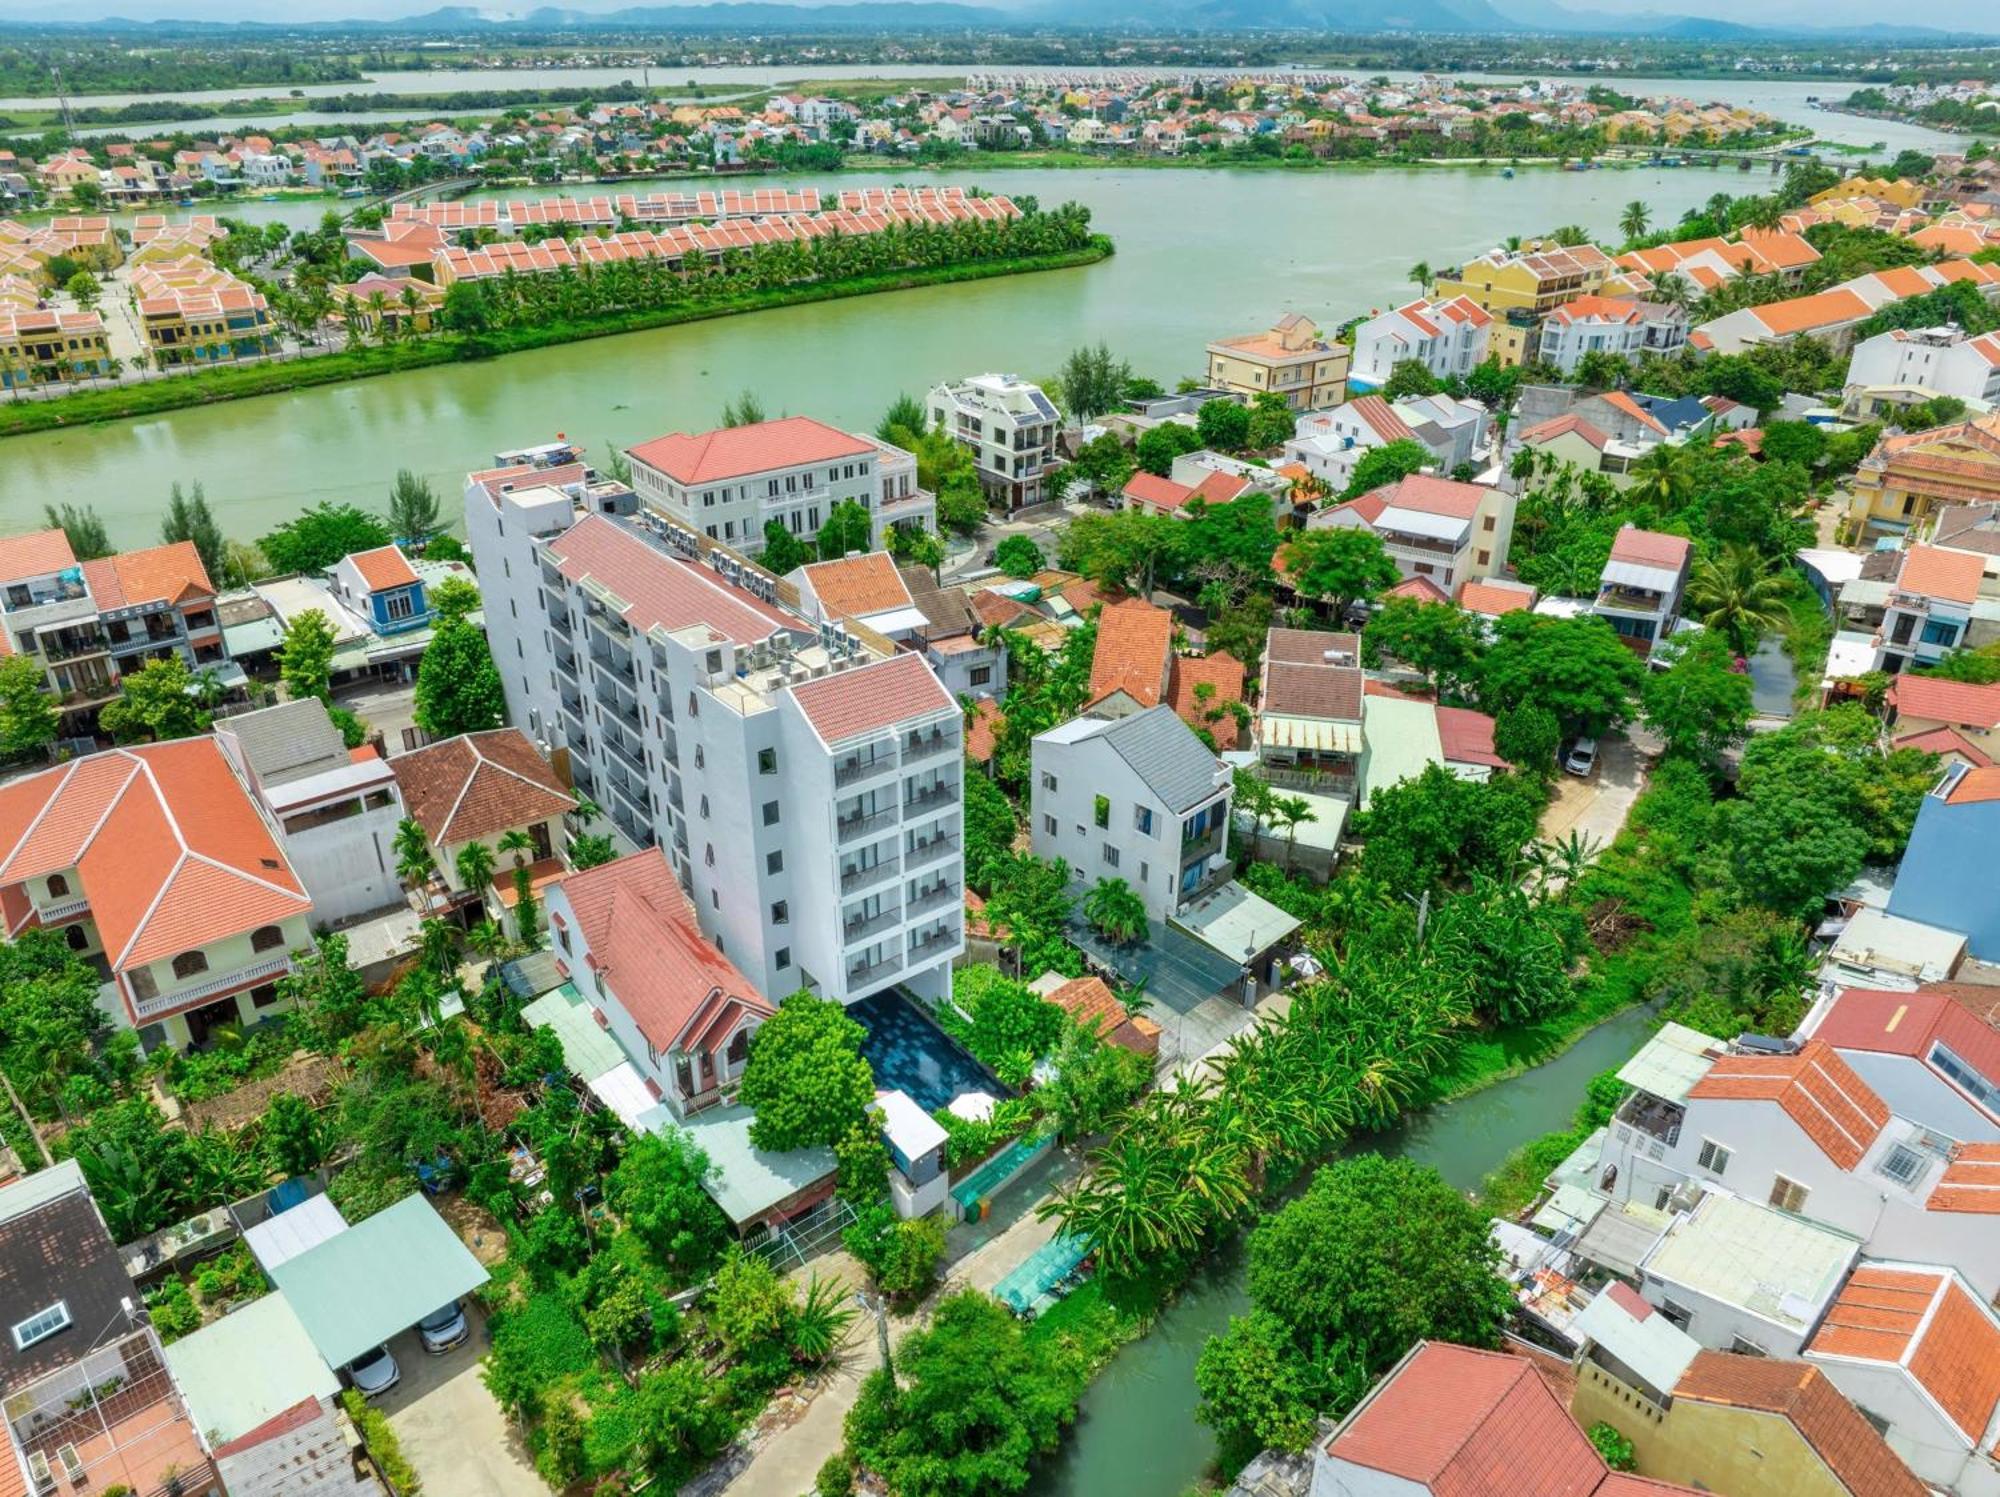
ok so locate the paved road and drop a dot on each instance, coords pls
(451, 1429)
(1597, 807)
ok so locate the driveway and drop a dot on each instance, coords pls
(1597, 807)
(452, 1431)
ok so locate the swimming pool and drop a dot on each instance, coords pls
(909, 1053)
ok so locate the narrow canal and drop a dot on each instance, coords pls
(1137, 1436)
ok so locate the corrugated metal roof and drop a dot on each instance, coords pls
(249, 1367)
(380, 1276)
(1671, 1062)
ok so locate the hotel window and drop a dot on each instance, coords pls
(781, 913)
(58, 886)
(266, 938)
(1714, 1157)
(774, 862)
(1788, 1195)
(190, 964)
(401, 605)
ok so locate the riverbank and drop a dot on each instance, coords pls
(1241, 160)
(242, 382)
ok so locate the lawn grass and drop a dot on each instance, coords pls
(241, 382)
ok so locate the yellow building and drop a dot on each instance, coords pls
(41, 345)
(1532, 281)
(1902, 192)
(195, 313)
(1911, 475)
(1292, 359)
(1750, 1426)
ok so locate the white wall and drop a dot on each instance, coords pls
(348, 867)
(1717, 1325)
(1913, 1090)
(1918, 1430)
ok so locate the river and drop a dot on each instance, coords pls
(1136, 1434)
(1787, 99)
(1201, 254)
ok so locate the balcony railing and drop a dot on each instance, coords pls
(636, 796)
(62, 909)
(863, 926)
(210, 985)
(935, 897)
(857, 767)
(1652, 1116)
(1633, 599)
(623, 752)
(925, 942)
(852, 879)
(58, 647)
(875, 971)
(935, 795)
(925, 745)
(850, 828)
(1201, 846)
(922, 854)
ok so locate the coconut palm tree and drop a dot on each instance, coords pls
(1420, 274)
(518, 843)
(1115, 910)
(1740, 594)
(475, 865)
(1635, 220)
(414, 862)
(1665, 476)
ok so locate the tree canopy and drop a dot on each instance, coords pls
(458, 686)
(806, 1079)
(319, 537)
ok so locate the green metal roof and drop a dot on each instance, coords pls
(588, 1050)
(748, 1180)
(249, 1367)
(383, 1275)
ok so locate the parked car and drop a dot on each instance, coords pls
(441, 1330)
(375, 1372)
(1582, 757)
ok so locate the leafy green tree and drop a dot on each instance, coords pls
(328, 998)
(903, 420)
(971, 1405)
(291, 1136)
(141, 1172)
(1019, 556)
(1254, 1393)
(458, 686)
(1115, 911)
(1437, 831)
(1004, 1024)
(465, 308)
(806, 1079)
(745, 410)
(84, 289)
(1231, 543)
(990, 829)
(1700, 704)
(1527, 737)
(29, 717)
(189, 518)
(1740, 595)
(1223, 425)
(1377, 1254)
(1502, 952)
(413, 511)
(83, 528)
(846, 530)
(319, 537)
(305, 658)
(1577, 668)
(1443, 642)
(590, 851)
(453, 598)
(1493, 384)
(1092, 383)
(49, 1020)
(1386, 464)
(157, 702)
(657, 1190)
(1341, 565)
(1272, 421)
(1158, 446)
(901, 1256)
(1125, 551)
(1409, 377)
(1792, 842)
(914, 546)
(1030, 902)
(784, 552)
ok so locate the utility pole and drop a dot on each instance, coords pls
(62, 101)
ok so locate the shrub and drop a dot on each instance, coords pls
(383, 1447)
(903, 1256)
(836, 1477)
(1614, 1447)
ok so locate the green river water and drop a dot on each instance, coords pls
(1201, 254)
(1136, 1435)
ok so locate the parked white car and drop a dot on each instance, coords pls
(375, 1372)
(1582, 757)
(441, 1330)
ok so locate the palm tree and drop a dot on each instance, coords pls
(1740, 594)
(1665, 477)
(438, 944)
(488, 939)
(587, 810)
(1635, 219)
(1291, 812)
(475, 866)
(414, 862)
(1115, 910)
(520, 844)
(1420, 274)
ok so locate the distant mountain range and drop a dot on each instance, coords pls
(1343, 17)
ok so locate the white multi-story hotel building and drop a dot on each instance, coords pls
(1010, 428)
(803, 779)
(730, 483)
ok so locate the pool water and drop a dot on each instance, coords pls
(909, 1053)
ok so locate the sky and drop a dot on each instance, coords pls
(1970, 15)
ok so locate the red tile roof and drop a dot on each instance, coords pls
(383, 568)
(1815, 1088)
(1466, 737)
(870, 698)
(1221, 670)
(998, 611)
(739, 451)
(1556, 426)
(660, 590)
(1803, 1395)
(644, 941)
(1960, 703)
(1421, 588)
(166, 843)
(1155, 492)
(1135, 643)
(1465, 1423)
(1090, 1001)
(1965, 1017)
(159, 574)
(1925, 1321)
(1381, 418)
(1945, 742)
(475, 787)
(1970, 1182)
(1937, 573)
(858, 585)
(1975, 786)
(1649, 548)
(982, 733)
(1493, 597)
